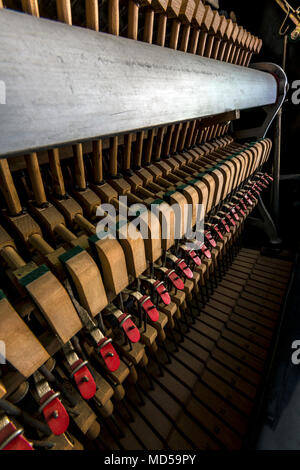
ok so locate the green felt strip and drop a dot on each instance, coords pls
(33, 275)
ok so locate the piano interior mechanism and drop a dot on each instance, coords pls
(134, 156)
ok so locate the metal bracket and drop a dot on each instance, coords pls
(267, 224)
(271, 109)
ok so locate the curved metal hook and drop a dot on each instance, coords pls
(271, 109)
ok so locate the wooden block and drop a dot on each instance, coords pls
(173, 8)
(120, 374)
(48, 216)
(222, 27)
(52, 260)
(160, 324)
(89, 200)
(69, 208)
(5, 239)
(187, 11)
(53, 301)
(22, 348)
(153, 245)
(207, 19)
(105, 191)
(235, 32)
(149, 336)
(82, 241)
(104, 391)
(159, 6)
(134, 249)
(113, 264)
(86, 278)
(169, 311)
(3, 390)
(198, 14)
(167, 221)
(178, 298)
(215, 23)
(135, 354)
(25, 226)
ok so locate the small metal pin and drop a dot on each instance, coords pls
(85, 379)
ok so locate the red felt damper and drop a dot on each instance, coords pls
(257, 187)
(18, 443)
(231, 221)
(210, 239)
(185, 269)
(269, 177)
(130, 329)
(262, 178)
(248, 200)
(59, 424)
(149, 308)
(216, 229)
(84, 380)
(261, 184)
(205, 251)
(241, 202)
(192, 254)
(240, 210)
(162, 292)
(176, 281)
(223, 222)
(109, 355)
(251, 196)
(233, 212)
(253, 188)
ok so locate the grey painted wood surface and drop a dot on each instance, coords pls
(66, 84)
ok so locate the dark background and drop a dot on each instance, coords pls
(263, 18)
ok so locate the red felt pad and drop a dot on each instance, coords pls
(233, 211)
(241, 202)
(150, 309)
(261, 185)
(109, 355)
(218, 232)
(231, 221)
(210, 239)
(130, 329)
(18, 443)
(206, 251)
(86, 388)
(223, 222)
(162, 292)
(192, 254)
(248, 200)
(269, 177)
(251, 196)
(185, 269)
(255, 190)
(262, 178)
(57, 425)
(240, 210)
(176, 281)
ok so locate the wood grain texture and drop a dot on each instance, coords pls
(55, 304)
(23, 350)
(87, 279)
